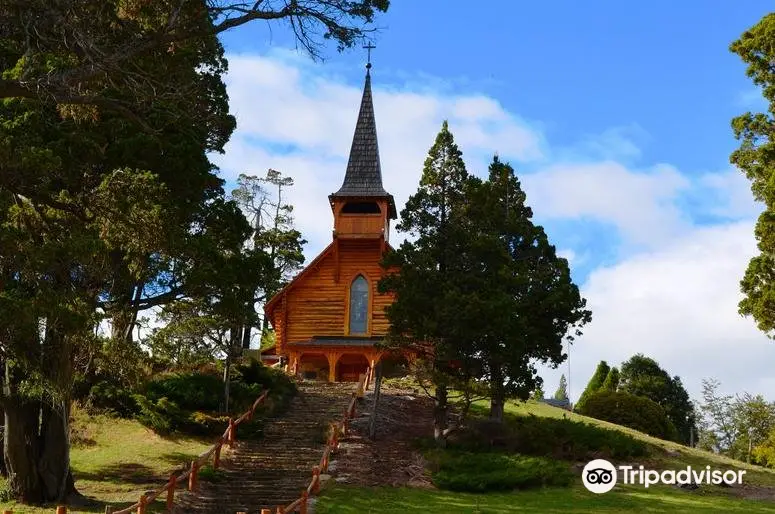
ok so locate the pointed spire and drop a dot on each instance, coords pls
(364, 172)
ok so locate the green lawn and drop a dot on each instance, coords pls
(114, 460)
(340, 499)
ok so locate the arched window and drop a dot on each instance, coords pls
(359, 305)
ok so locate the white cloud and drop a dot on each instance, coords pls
(640, 204)
(279, 103)
(673, 295)
(677, 305)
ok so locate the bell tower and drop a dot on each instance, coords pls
(362, 208)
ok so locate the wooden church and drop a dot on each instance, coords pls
(328, 319)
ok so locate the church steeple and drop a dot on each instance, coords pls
(363, 178)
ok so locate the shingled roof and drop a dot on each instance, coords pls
(364, 173)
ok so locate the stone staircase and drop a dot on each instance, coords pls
(274, 470)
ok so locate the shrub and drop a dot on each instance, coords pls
(547, 437)
(162, 416)
(112, 399)
(476, 472)
(190, 391)
(631, 411)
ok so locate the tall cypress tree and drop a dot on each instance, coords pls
(595, 384)
(562, 390)
(427, 274)
(529, 302)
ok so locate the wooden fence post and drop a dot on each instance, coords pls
(280, 510)
(192, 477)
(62, 509)
(7, 512)
(231, 432)
(141, 504)
(315, 480)
(266, 511)
(217, 458)
(303, 506)
(173, 481)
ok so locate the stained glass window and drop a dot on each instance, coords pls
(359, 305)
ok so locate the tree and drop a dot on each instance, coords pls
(718, 425)
(594, 385)
(526, 303)
(538, 393)
(106, 191)
(755, 157)
(431, 309)
(562, 390)
(273, 233)
(611, 382)
(642, 376)
(92, 52)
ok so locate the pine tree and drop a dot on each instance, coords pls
(611, 382)
(594, 385)
(562, 390)
(426, 275)
(527, 303)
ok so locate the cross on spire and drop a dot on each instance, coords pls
(369, 48)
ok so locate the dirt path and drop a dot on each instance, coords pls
(390, 460)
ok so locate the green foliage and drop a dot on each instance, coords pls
(112, 398)
(644, 377)
(733, 425)
(631, 411)
(479, 473)
(562, 390)
(594, 385)
(162, 416)
(755, 157)
(538, 393)
(611, 382)
(557, 438)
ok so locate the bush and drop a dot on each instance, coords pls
(190, 391)
(631, 411)
(163, 416)
(547, 437)
(476, 472)
(112, 399)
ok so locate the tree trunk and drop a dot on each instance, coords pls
(246, 337)
(498, 395)
(36, 449)
(440, 415)
(21, 447)
(226, 382)
(54, 463)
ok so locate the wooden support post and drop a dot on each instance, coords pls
(217, 458)
(232, 427)
(192, 478)
(280, 510)
(304, 498)
(376, 395)
(316, 480)
(173, 481)
(62, 509)
(141, 504)
(266, 511)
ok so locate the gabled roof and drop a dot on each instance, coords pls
(363, 178)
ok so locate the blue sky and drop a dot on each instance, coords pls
(616, 116)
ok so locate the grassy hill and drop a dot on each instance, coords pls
(115, 460)
(756, 495)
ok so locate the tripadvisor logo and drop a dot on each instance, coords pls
(600, 476)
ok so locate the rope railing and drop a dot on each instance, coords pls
(190, 476)
(338, 429)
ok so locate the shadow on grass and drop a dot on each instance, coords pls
(127, 473)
